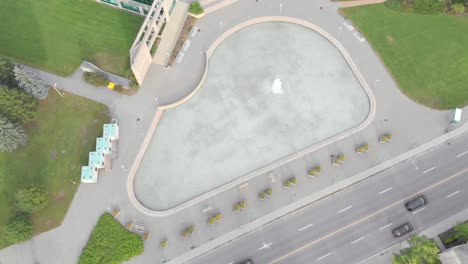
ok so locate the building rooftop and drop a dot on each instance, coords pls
(103, 145)
(96, 159)
(88, 174)
(111, 131)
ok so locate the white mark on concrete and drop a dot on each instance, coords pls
(305, 227)
(277, 87)
(415, 212)
(383, 227)
(426, 171)
(324, 256)
(265, 246)
(386, 190)
(462, 154)
(414, 163)
(357, 240)
(342, 210)
(452, 194)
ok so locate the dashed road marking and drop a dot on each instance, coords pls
(342, 210)
(383, 227)
(305, 227)
(357, 240)
(324, 256)
(415, 212)
(462, 154)
(426, 171)
(452, 194)
(386, 190)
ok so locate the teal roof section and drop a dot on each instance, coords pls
(111, 131)
(96, 159)
(88, 174)
(103, 145)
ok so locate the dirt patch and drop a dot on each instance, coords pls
(110, 63)
(390, 39)
(60, 196)
(189, 23)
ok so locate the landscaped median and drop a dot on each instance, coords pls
(110, 242)
(426, 54)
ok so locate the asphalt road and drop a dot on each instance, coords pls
(355, 224)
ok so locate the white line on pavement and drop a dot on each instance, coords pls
(381, 252)
(452, 194)
(342, 210)
(419, 210)
(414, 163)
(232, 262)
(459, 155)
(357, 240)
(305, 227)
(426, 171)
(386, 190)
(383, 227)
(324, 256)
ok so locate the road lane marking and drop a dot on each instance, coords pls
(414, 163)
(342, 210)
(383, 227)
(415, 212)
(426, 171)
(305, 227)
(232, 262)
(357, 240)
(452, 194)
(464, 153)
(398, 203)
(265, 246)
(386, 190)
(381, 252)
(324, 256)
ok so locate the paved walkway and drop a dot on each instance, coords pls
(360, 3)
(412, 125)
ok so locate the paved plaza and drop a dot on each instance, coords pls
(272, 89)
(412, 125)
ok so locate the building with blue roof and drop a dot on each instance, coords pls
(111, 131)
(89, 174)
(96, 159)
(103, 145)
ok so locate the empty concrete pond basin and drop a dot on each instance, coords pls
(272, 89)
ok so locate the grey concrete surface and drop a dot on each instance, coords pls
(272, 89)
(362, 233)
(411, 125)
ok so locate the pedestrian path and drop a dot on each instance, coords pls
(360, 2)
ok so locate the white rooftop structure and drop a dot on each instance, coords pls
(89, 174)
(111, 131)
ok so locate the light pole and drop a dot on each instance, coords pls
(339, 31)
(221, 25)
(281, 7)
(375, 83)
(156, 100)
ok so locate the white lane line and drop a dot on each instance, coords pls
(415, 212)
(381, 252)
(357, 240)
(426, 171)
(383, 227)
(232, 262)
(342, 210)
(305, 227)
(452, 194)
(324, 256)
(464, 153)
(386, 190)
(414, 163)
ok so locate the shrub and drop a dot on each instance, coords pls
(269, 191)
(95, 79)
(195, 8)
(7, 76)
(31, 83)
(110, 242)
(19, 228)
(16, 105)
(458, 8)
(31, 198)
(11, 135)
(428, 6)
(461, 230)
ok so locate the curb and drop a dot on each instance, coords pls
(372, 109)
(298, 205)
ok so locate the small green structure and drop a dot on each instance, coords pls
(89, 174)
(96, 160)
(111, 131)
(104, 145)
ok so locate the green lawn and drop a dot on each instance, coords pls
(59, 141)
(56, 35)
(426, 54)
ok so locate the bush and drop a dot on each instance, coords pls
(418, 6)
(110, 243)
(31, 199)
(458, 8)
(16, 105)
(11, 135)
(195, 8)
(7, 76)
(95, 79)
(19, 228)
(31, 83)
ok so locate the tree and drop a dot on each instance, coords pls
(16, 105)
(31, 198)
(11, 135)
(31, 83)
(421, 250)
(7, 76)
(458, 8)
(461, 231)
(19, 228)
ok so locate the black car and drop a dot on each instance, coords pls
(416, 203)
(402, 230)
